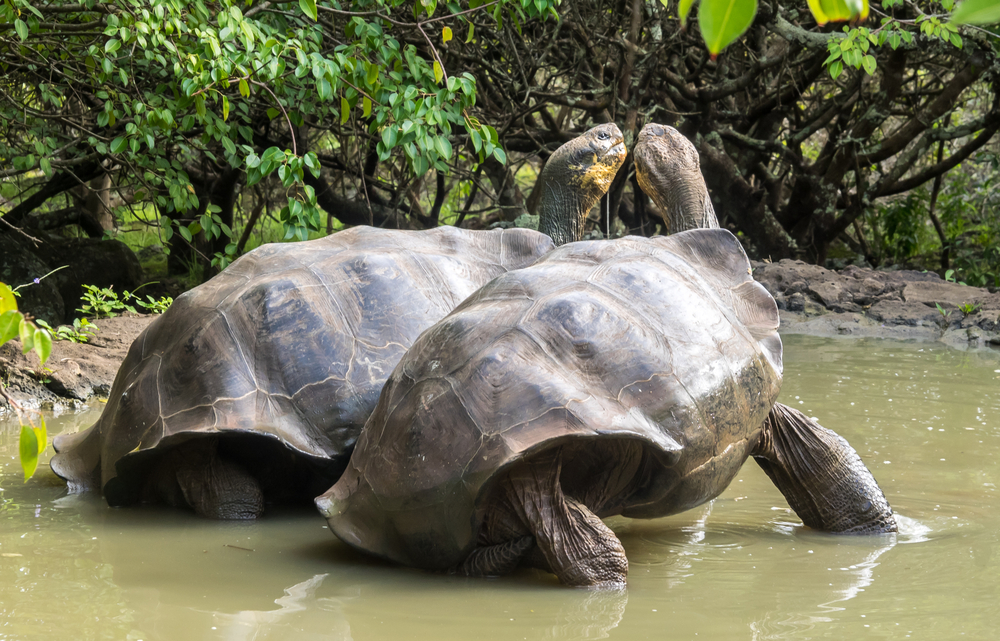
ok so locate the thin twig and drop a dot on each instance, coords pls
(21, 231)
(291, 130)
(258, 8)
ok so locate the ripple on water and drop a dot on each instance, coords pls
(912, 530)
(716, 535)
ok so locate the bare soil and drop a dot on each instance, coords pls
(74, 372)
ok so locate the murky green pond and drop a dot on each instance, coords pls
(924, 417)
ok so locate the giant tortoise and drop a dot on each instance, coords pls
(254, 385)
(628, 377)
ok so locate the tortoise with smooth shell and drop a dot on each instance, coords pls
(629, 377)
(254, 386)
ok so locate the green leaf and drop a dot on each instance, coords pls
(43, 344)
(723, 21)
(309, 8)
(42, 433)
(472, 33)
(445, 34)
(420, 165)
(345, 110)
(366, 106)
(22, 29)
(244, 88)
(312, 162)
(26, 332)
(9, 322)
(118, 144)
(868, 62)
(816, 7)
(683, 9)
(225, 109)
(112, 45)
(438, 72)
(274, 154)
(28, 449)
(500, 156)
(838, 10)
(8, 302)
(443, 146)
(970, 12)
(324, 89)
(836, 68)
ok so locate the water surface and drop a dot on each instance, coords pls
(925, 418)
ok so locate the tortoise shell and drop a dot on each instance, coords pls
(290, 344)
(666, 343)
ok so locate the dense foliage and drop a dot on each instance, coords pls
(179, 102)
(200, 120)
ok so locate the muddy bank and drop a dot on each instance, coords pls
(864, 302)
(75, 372)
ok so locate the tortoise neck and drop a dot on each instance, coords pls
(687, 204)
(565, 202)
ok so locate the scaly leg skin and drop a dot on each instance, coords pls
(496, 560)
(822, 477)
(217, 488)
(578, 547)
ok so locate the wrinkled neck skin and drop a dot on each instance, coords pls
(566, 200)
(685, 201)
(561, 212)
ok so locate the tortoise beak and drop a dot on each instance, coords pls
(615, 154)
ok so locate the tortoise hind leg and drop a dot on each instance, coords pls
(821, 476)
(577, 546)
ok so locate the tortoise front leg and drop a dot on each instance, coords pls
(221, 490)
(496, 560)
(577, 546)
(196, 475)
(822, 477)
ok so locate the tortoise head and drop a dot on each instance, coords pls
(669, 172)
(575, 177)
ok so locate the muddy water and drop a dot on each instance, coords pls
(925, 418)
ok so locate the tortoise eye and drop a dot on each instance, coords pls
(603, 135)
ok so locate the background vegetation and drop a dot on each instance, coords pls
(195, 130)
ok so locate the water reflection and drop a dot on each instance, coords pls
(290, 620)
(848, 573)
(593, 616)
(925, 419)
